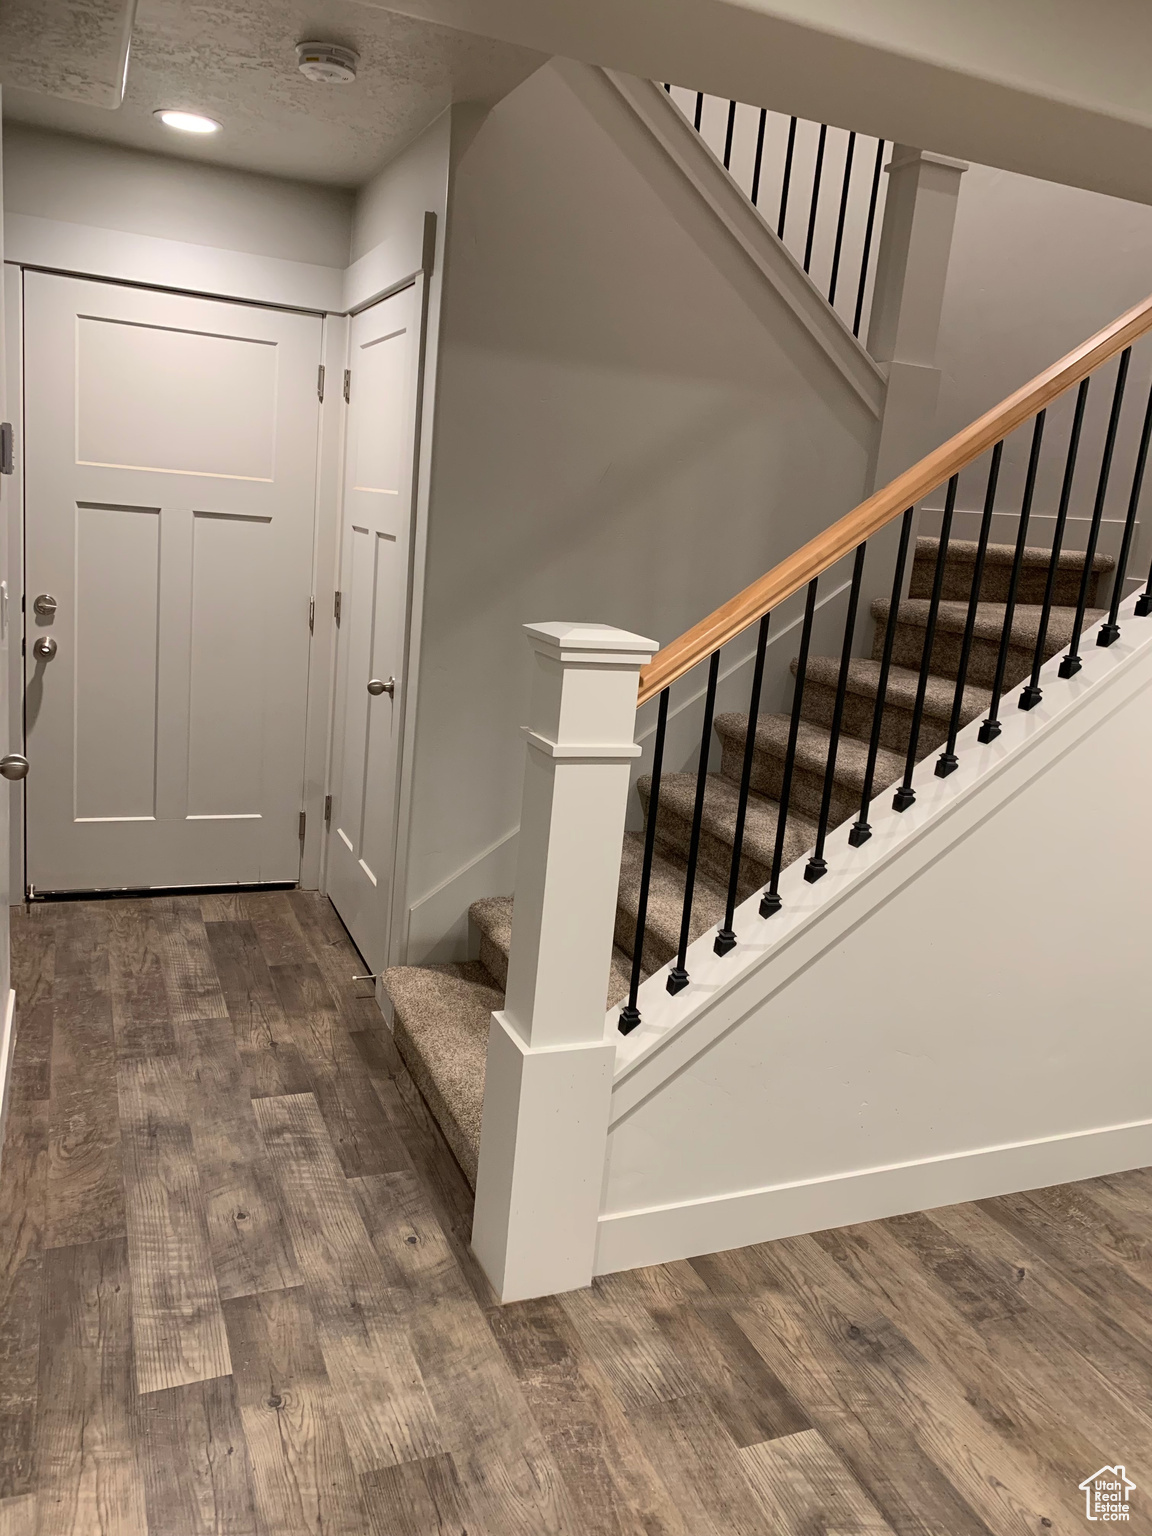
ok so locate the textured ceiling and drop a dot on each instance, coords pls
(236, 62)
(74, 48)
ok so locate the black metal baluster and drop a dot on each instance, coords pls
(844, 189)
(1144, 601)
(759, 155)
(668, 86)
(787, 181)
(816, 175)
(1110, 631)
(817, 864)
(1072, 663)
(991, 727)
(728, 136)
(861, 828)
(1031, 694)
(770, 901)
(868, 229)
(906, 795)
(678, 976)
(630, 1014)
(699, 117)
(725, 938)
(948, 762)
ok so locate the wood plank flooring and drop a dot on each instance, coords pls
(236, 1296)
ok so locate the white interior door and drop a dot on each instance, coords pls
(170, 491)
(373, 609)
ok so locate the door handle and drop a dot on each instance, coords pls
(14, 766)
(376, 687)
(45, 649)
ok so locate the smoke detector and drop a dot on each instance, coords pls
(327, 63)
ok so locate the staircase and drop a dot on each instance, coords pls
(442, 1013)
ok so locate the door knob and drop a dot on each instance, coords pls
(376, 687)
(45, 649)
(45, 605)
(14, 766)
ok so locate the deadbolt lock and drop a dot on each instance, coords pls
(45, 605)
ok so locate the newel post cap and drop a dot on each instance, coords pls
(593, 643)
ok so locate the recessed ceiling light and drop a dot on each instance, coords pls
(187, 122)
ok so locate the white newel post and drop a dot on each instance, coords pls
(911, 271)
(549, 1074)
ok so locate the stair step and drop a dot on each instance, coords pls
(718, 825)
(665, 902)
(493, 917)
(961, 561)
(812, 743)
(822, 675)
(442, 1014)
(912, 621)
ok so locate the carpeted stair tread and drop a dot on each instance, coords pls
(963, 552)
(812, 744)
(989, 626)
(441, 1018)
(665, 903)
(864, 680)
(718, 825)
(960, 567)
(493, 917)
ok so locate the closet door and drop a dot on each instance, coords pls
(170, 496)
(373, 612)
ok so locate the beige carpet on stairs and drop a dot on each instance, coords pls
(442, 1012)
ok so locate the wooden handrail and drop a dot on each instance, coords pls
(823, 552)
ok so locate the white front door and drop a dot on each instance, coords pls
(170, 487)
(373, 611)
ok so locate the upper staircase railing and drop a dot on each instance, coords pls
(819, 188)
(849, 537)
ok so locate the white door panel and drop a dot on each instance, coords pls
(170, 495)
(373, 585)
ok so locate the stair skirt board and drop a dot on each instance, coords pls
(663, 1234)
(441, 1012)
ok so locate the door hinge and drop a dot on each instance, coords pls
(327, 810)
(336, 608)
(303, 824)
(347, 386)
(311, 615)
(7, 451)
(320, 383)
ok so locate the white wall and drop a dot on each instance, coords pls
(80, 181)
(75, 205)
(388, 214)
(619, 439)
(1036, 269)
(927, 1024)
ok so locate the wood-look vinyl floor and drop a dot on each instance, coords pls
(236, 1297)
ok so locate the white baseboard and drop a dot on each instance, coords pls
(635, 1239)
(7, 1051)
